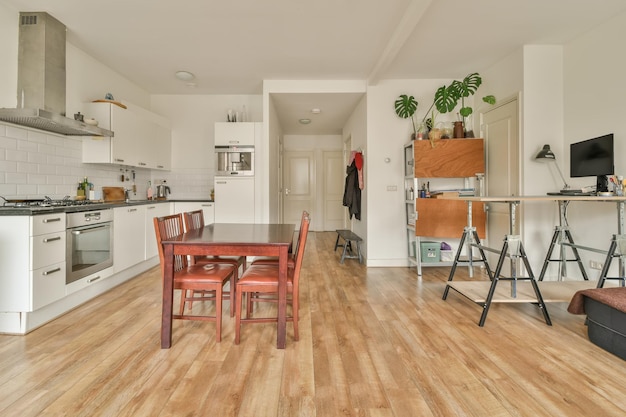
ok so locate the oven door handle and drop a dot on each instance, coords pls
(89, 229)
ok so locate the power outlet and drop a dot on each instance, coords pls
(596, 265)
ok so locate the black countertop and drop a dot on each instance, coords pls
(31, 211)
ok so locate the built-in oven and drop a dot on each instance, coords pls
(234, 160)
(89, 243)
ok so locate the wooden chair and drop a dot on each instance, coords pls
(262, 279)
(195, 220)
(273, 260)
(199, 277)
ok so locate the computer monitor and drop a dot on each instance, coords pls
(593, 158)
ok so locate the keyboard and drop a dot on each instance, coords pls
(573, 193)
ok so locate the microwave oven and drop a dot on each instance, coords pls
(234, 160)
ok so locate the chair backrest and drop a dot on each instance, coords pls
(194, 220)
(304, 232)
(295, 249)
(165, 228)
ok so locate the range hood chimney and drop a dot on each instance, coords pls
(41, 79)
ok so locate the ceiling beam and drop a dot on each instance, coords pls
(404, 29)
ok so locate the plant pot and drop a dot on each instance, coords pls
(458, 130)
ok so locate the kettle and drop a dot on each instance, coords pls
(162, 191)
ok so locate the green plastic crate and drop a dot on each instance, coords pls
(430, 251)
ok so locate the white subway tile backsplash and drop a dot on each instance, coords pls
(7, 143)
(27, 167)
(36, 136)
(16, 132)
(16, 178)
(36, 179)
(8, 166)
(25, 145)
(27, 190)
(15, 155)
(34, 164)
(47, 149)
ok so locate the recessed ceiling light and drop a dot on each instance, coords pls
(184, 75)
(316, 111)
(304, 121)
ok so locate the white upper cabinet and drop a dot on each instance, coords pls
(234, 134)
(141, 138)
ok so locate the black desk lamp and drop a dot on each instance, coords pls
(546, 153)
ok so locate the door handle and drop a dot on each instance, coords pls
(287, 191)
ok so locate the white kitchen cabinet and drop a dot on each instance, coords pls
(235, 134)
(162, 147)
(141, 138)
(129, 236)
(234, 200)
(154, 210)
(32, 261)
(207, 207)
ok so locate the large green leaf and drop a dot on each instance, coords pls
(406, 106)
(446, 98)
(469, 85)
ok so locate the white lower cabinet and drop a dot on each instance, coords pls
(234, 198)
(152, 211)
(129, 236)
(32, 261)
(207, 207)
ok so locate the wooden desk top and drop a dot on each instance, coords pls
(513, 199)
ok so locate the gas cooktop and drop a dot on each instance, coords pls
(46, 202)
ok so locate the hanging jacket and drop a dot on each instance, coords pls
(352, 192)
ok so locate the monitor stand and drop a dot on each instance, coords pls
(602, 184)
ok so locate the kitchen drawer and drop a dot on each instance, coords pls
(47, 249)
(47, 223)
(48, 284)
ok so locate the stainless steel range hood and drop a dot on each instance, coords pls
(41, 79)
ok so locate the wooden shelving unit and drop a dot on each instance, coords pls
(438, 218)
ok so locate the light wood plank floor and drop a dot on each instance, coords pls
(374, 342)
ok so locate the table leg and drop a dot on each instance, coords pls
(282, 297)
(168, 297)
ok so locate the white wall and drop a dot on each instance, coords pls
(594, 94)
(192, 119)
(354, 135)
(386, 135)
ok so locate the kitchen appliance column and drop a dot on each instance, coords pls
(234, 199)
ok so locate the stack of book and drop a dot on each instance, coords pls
(463, 192)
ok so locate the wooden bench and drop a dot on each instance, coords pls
(348, 237)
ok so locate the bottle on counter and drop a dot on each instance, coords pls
(149, 191)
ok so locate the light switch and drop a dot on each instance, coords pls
(392, 188)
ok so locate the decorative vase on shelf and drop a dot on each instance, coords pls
(458, 130)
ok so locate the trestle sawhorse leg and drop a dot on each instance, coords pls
(617, 249)
(514, 249)
(563, 237)
(470, 239)
(348, 237)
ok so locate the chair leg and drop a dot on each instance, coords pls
(238, 315)
(183, 296)
(294, 308)
(218, 314)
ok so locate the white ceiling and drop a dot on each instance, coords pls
(232, 46)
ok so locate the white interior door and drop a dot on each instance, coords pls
(501, 131)
(332, 198)
(299, 186)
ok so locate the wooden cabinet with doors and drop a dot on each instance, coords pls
(451, 164)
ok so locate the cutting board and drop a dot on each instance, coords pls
(113, 193)
(117, 103)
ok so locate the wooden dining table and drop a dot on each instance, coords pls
(229, 239)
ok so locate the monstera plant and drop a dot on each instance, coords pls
(447, 97)
(406, 106)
